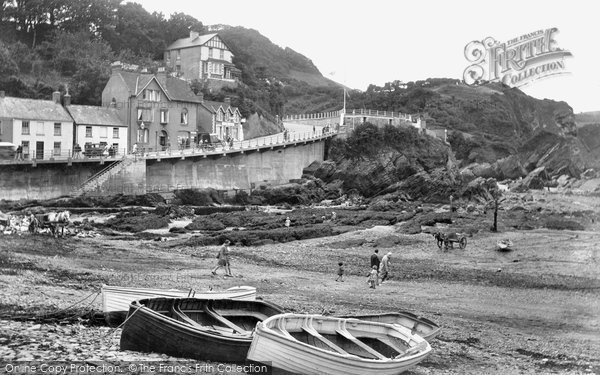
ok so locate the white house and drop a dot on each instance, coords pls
(42, 127)
(98, 126)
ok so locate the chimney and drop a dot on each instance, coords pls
(194, 34)
(161, 76)
(2, 94)
(144, 70)
(227, 102)
(200, 96)
(67, 98)
(56, 97)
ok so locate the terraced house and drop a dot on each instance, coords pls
(226, 120)
(42, 127)
(204, 57)
(161, 111)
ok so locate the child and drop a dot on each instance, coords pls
(340, 272)
(373, 277)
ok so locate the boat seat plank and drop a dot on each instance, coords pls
(224, 321)
(341, 330)
(257, 314)
(281, 328)
(306, 327)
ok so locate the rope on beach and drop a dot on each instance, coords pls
(122, 324)
(48, 315)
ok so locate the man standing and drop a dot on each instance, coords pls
(385, 266)
(375, 262)
(223, 259)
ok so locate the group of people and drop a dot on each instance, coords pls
(380, 268)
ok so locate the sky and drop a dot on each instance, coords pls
(358, 43)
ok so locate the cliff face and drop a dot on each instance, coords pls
(512, 131)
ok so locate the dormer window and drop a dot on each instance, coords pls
(151, 95)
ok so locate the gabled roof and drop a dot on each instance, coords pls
(33, 109)
(93, 115)
(174, 88)
(191, 41)
(214, 106)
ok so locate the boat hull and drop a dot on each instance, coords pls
(154, 331)
(116, 300)
(270, 347)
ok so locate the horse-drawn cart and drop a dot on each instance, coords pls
(448, 239)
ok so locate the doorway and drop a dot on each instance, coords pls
(39, 150)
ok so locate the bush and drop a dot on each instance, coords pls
(562, 224)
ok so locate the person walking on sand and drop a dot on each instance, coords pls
(375, 261)
(384, 267)
(340, 272)
(223, 259)
(372, 277)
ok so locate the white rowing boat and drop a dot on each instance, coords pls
(314, 344)
(116, 299)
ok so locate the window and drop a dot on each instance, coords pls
(178, 52)
(57, 128)
(184, 116)
(145, 114)
(210, 52)
(142, 135)
(115, 147)
(151, 95)
(219, 116)
(39, 128)
(222, 54)
(164, 116)
(25, 128)
(56, 151)
(115, 132)
(88, 132)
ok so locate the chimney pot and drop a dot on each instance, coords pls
(228, 101)
(194, 34)
(56, 97)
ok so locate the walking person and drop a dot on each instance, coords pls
(375, 261)
(19, 153)
(288, 222)
(340, 272)
(372, 277)
(223, 259)
(384, 267)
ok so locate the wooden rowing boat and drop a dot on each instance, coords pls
(314, 344)
(417, 324)
(215, 330)
(116, 299)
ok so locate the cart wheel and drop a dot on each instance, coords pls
(463, 243)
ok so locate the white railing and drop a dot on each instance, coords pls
(237, 146)
(349, 112)
(66, 155)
